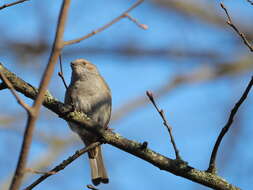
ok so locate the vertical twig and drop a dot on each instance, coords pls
(165, 123)
(33, 115)
(60, 74)
(212, 163)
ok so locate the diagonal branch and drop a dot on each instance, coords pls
(230, 23)
(62, 165)
(142, 26)
(123, 15)
(19, 100)
(164, 163)
(11, 4)
(212, 164)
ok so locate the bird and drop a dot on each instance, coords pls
(89, 93)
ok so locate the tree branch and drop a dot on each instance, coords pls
(123, 15)
(62, 165)
(212, 164)
(60, 73)
(9, 85)
(230, 23)
(165, 123)
(34, 111)
(173, 166)
(11, 4)
(142, 26)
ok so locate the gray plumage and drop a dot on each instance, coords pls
(89, 93)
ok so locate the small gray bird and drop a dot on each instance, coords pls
(89, 93)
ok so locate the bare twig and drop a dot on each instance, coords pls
(12, 89)
(230, 23)
(124, 14)
(33, 114)
(228, 16)
(143, 26)
(11, 4)
(60, 74)
(62, 165)
(165, 123)
(212, 164)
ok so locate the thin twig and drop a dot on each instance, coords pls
(62, 165)
(165, 123)
(34, 113)
(230, 23)
(60, 74)
(142, 26)
(228, 16)
(212, 163)
(12, 89)
(70, 42)
(11, 4)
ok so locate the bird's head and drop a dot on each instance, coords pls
(81, 68)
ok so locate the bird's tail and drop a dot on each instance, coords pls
(98, 171)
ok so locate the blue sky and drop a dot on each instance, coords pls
(197, 111)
